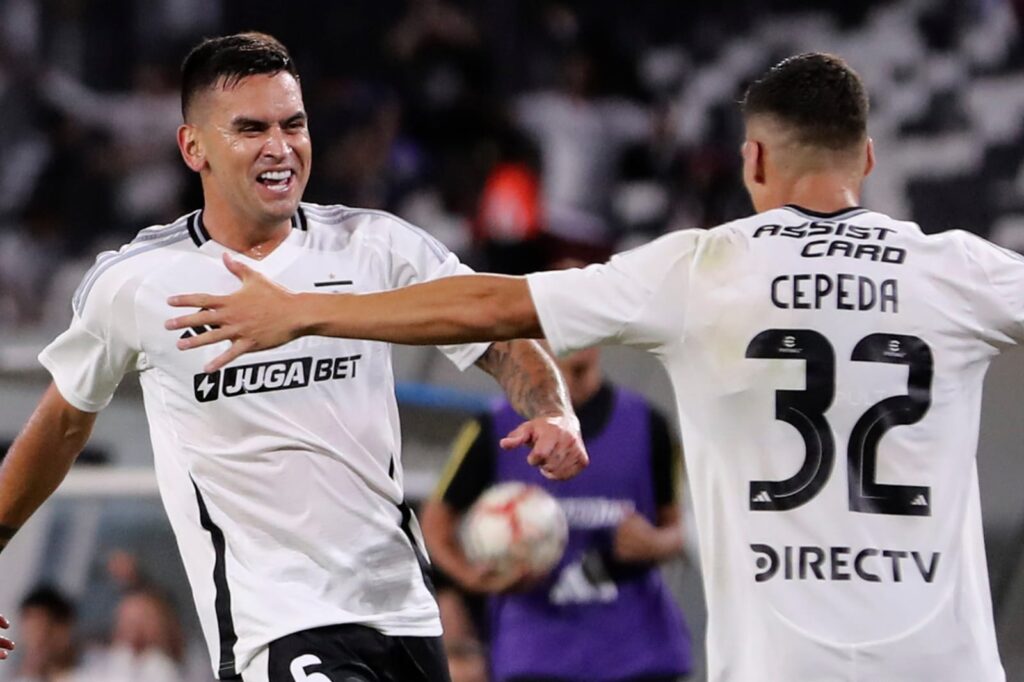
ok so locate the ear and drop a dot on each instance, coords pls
(869, 162)
(753, 162)
(190, 147)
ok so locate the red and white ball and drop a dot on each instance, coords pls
(513, 524)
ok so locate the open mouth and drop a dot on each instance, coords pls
(276, 181)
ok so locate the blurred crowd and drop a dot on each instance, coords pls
(516, 131)
(142, 640)
(508, 129)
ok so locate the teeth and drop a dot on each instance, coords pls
(276, 175)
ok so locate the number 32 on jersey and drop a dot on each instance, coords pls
(805, 411)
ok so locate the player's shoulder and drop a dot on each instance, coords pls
(668, 247)
(974, 244)
(991, 261)
(338, 217)
(339, 224)
(146, 253)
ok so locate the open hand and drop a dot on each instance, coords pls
(6, 645)
(256, 317)
(558, 449)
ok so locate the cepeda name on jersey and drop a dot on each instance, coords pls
(843, 291)
(279, 375)
(870, 564)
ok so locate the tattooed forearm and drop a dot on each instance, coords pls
(530, 378)
(6, 533)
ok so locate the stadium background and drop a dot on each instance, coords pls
(453, 114)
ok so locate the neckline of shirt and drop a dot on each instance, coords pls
(200, 236)
(847, 212)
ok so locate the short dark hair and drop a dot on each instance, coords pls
(226, 60)
(818, 95)
(51, 600)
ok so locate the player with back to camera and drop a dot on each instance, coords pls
(282, 476)
(827, 362)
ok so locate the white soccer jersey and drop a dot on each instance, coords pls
(281, 473)
(828, 373)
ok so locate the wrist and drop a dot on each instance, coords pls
(671, 541)
(302, 308)
(567, 417)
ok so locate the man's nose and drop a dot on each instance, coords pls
(276, 144)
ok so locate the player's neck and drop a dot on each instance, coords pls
(821, 192)
(242, 234)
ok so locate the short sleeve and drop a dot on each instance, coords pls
(88, 361)
(638, 298)
(417, 257)
(1003, 275)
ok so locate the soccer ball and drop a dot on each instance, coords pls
(513, 524)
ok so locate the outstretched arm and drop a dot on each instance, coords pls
(40, 458)
(536, 391)
(262, 314)
(35, 465)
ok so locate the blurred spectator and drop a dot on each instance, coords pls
(46, 651)
(581, 133)
(146, 643)
(509, 220)
(140, 123)
(467, 660)
(442, 70)
(604, 613)
(147, 622)
(510, 223)
(27, 253)
(440, 64)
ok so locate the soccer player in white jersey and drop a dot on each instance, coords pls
(281, 476)
(827, 361)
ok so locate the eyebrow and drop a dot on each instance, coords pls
(240, 122)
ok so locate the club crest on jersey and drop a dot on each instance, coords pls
(278, 375)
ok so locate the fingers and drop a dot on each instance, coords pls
(557, 452)
(202, 318)
(207, 338)
(544, 452)
(5, 644)
(237, 268)
(521, 435)
(565, 461)
(237, 348)
(195, 301)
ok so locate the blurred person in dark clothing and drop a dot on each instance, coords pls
(509, 227)
(603, 614)
(46, 652)
(581, 132)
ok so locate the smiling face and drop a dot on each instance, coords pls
(249, 141)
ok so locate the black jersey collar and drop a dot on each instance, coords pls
(847, 212)
(197, 230)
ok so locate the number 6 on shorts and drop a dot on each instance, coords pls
(298, 669)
